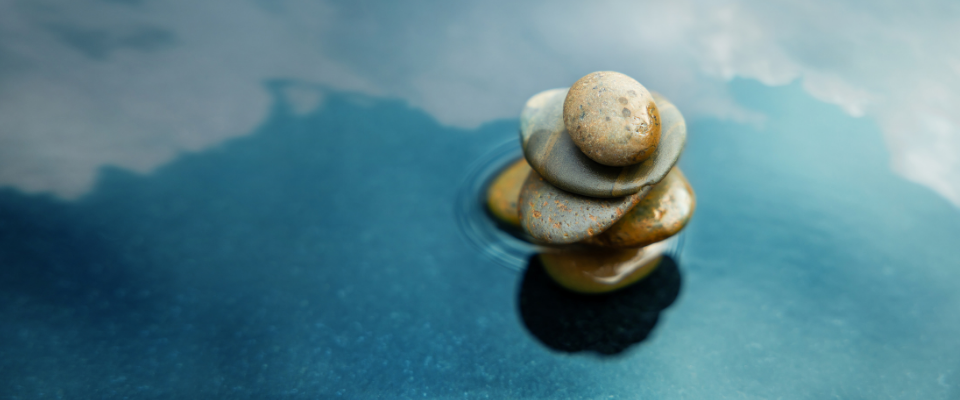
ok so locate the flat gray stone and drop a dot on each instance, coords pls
(552, 153)
(554, 216)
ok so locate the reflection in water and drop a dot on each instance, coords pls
(607, 323)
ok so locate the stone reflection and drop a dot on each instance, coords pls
(606, 323)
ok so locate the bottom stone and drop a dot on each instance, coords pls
(600, 270)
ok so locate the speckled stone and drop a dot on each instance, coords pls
(593, 270)
(660, 214)
(612, 118)
(504, 192)
(553, 216)
(552, 153)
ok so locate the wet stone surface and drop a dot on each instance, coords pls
(554, 216)
(552, 153)
(599, 270)
(660, 214)
(612, 118)
(504, 193)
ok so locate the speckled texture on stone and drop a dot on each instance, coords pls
(660, 214)
(553, 216)
(552, 153)
(612, 118)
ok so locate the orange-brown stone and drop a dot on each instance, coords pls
(503, 194)
(599, 270)
(661, 214)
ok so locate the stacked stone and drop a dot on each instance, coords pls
(598, 181)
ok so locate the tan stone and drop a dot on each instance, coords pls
(599, 270)
(612, 118)
(503, 194)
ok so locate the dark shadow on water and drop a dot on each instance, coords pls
(608, 323)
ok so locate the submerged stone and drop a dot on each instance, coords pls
(552, 153)
(661, 214)
(599, 270)
(503, 194)
(612, 118)
(554, 216)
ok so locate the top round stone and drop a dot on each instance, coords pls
(612, 118)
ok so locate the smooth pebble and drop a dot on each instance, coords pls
(612, 118)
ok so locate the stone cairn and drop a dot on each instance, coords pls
(598, 184)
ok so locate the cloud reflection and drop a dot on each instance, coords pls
(88, 83)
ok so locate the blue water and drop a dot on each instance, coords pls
(320, 257)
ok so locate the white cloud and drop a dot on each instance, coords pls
(86, 83)
(894, 62)
(67, 109)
